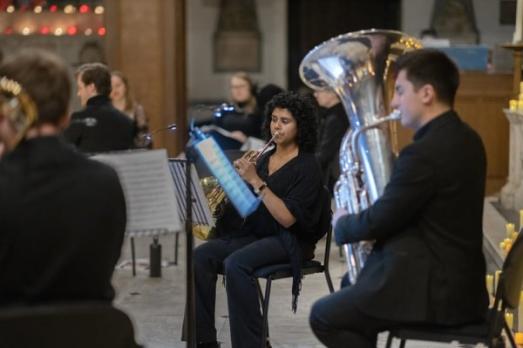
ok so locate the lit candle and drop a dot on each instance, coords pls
(518, 31)
(509, 229)
(490, 284)
(497, 274)
(509, 318)
(520, 313)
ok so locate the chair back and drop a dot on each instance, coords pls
(325, 223)
(66, 325)
(512, 275)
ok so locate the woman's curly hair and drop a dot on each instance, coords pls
(303, 109)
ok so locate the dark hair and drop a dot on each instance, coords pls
(303, 110)
(98, 74)
(433, 67)
(45, 78)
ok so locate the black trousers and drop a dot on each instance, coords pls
(337, 322)
(238, 257)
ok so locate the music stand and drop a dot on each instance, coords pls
(201, 213)
(149, 195)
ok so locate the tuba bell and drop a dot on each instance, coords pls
(358, 67)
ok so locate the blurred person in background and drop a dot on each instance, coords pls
(99, 127)
(122, 100)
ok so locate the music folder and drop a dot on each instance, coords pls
(233, 185)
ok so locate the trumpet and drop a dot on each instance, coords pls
(216, 196)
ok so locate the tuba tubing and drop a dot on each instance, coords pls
(356, 253)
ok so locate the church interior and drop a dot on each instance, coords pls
(179, 56)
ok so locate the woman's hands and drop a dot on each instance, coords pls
(247, 170)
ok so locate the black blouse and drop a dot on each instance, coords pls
(298, 183)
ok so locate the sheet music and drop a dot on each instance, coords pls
(149, 190)
(233, 185)
(201, 213)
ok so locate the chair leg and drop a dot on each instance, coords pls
(133, 256)
(265, 330)
(260, 293)
(510, 336)
(329, 280)
(389, 341)
(402, 343)
(176, 237)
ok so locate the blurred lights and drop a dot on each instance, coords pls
(102, 31)
(99, 10)
(84, 8)
(72, 30)
(37, 27)
(68, 9)
(45, 30)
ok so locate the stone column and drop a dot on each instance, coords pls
(146, 40)
(512, 192)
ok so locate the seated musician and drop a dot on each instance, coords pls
(283, 229)
(62, 215)
(427, 265)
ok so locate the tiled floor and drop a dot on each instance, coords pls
(156, 305)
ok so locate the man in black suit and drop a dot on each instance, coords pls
(62, 215)
(427, 264)
(99, 127)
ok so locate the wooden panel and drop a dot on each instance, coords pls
(146, 40)
(480, 102)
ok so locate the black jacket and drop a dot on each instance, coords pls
(111, 131)
(427, 264)
(62, 223)
(332, 127)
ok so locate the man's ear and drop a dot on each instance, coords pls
(427, 94)
(64, 121)
(91, 88)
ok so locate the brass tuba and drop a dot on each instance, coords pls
(357, 66)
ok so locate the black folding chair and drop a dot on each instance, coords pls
(82, 325)
(281, 271)
(488, 332)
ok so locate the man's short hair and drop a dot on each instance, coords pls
(432, 67)
(45, 78)
(98, 74)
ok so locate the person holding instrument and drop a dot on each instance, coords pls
(283, 229)
(57, 207)
(427, 265)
